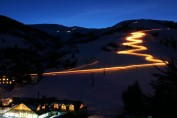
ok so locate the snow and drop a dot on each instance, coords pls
(104, 98)
(160, 50)
(12, 41)
(93, 51)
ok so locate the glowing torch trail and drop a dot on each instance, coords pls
(135, 41)
(102, 69)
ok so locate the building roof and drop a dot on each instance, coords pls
(33, 103)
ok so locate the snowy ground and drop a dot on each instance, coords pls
(103, 99)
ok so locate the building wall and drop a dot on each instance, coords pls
(20, 114)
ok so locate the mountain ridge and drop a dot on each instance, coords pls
(74, 46)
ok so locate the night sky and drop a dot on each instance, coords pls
(87, 13)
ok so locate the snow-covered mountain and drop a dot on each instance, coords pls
(24, 46)
(62, 47)
(15, 33)
(56, 29)
(86, 49)
(65, 33)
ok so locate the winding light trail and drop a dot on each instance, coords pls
(135, 41)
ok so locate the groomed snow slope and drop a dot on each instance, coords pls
(104, 98)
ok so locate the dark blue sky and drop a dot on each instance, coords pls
(87, 13)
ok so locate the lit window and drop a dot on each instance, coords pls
(63, 107)
(71, 107)
(43, 107)
(82, 106)
(38, 108)
(56, 106)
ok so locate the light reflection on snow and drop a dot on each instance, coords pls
(135, 40)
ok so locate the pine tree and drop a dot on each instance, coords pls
(165, 98)
(133, 98)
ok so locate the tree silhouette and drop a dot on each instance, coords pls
(165, 97)
(163, 104)
(133, 98)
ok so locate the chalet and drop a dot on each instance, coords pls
(41, 108)
(23, 111)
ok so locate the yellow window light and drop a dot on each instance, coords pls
(56, 106)
(71, 107)
(82, 106)
(38, 108)
(63, 107)
(43, 107)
